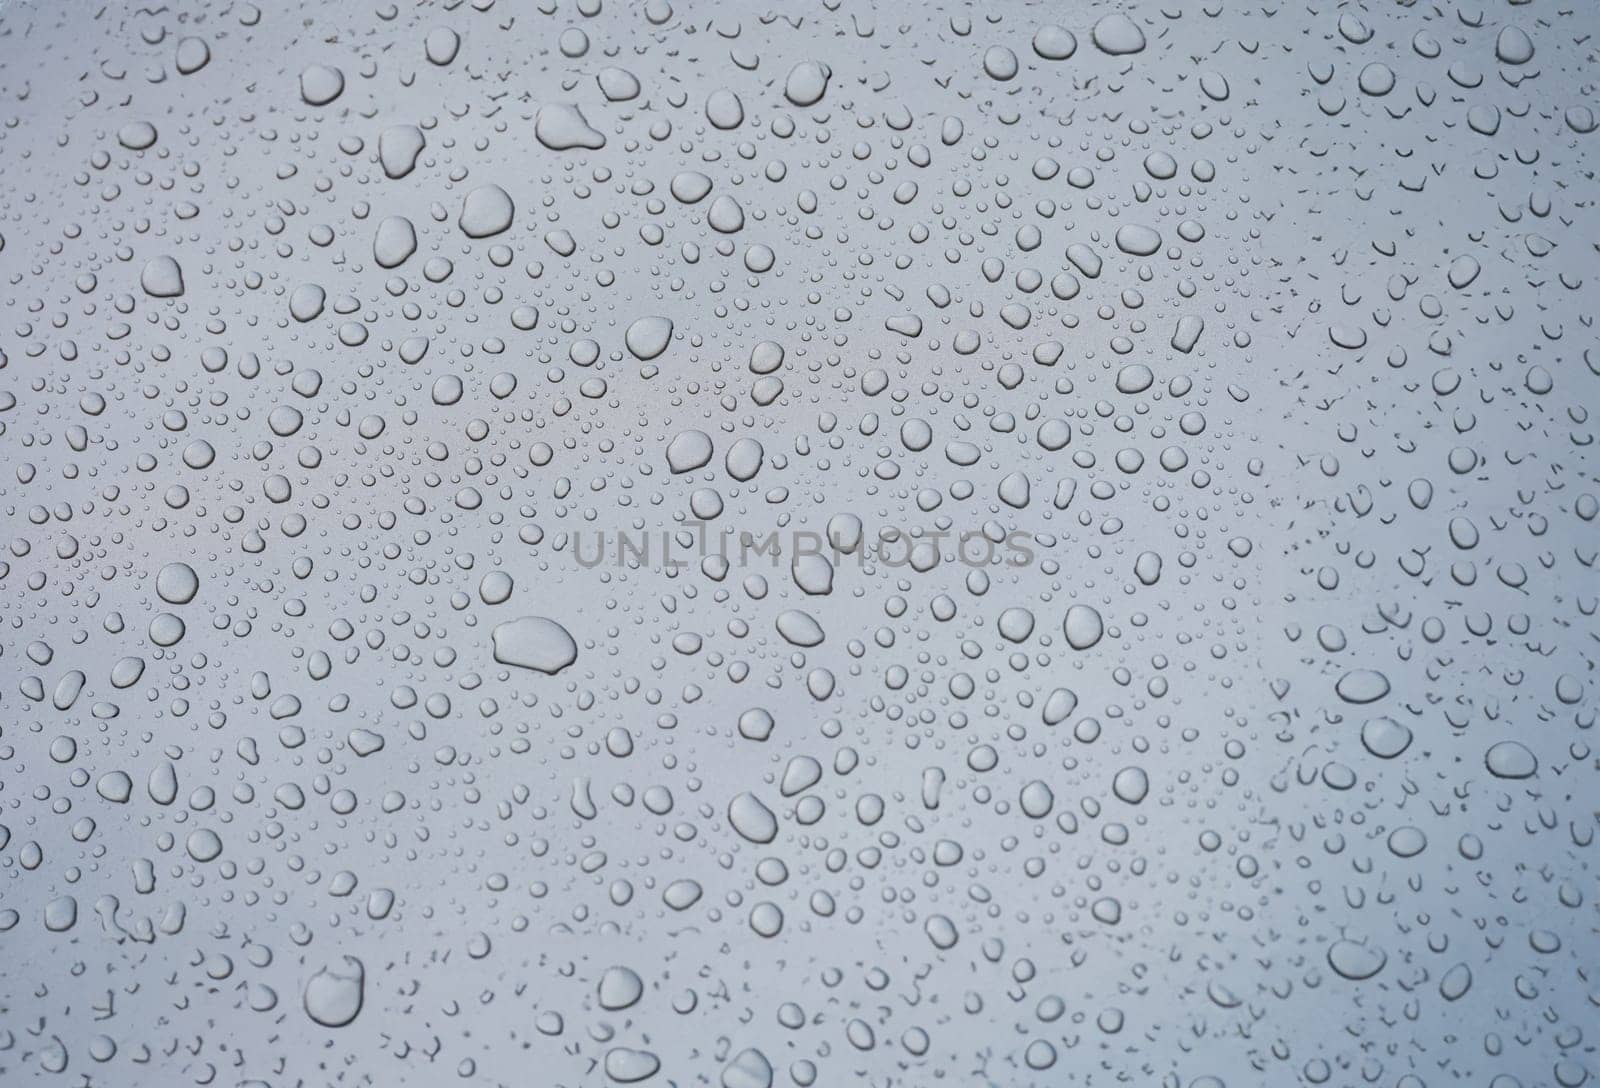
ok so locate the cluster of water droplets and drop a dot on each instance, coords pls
(854, 542)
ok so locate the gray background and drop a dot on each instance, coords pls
(1382, 213)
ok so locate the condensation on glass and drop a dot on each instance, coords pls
(837, 543)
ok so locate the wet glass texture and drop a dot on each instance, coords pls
(581, 543)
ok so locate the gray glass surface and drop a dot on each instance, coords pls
(888, 543)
